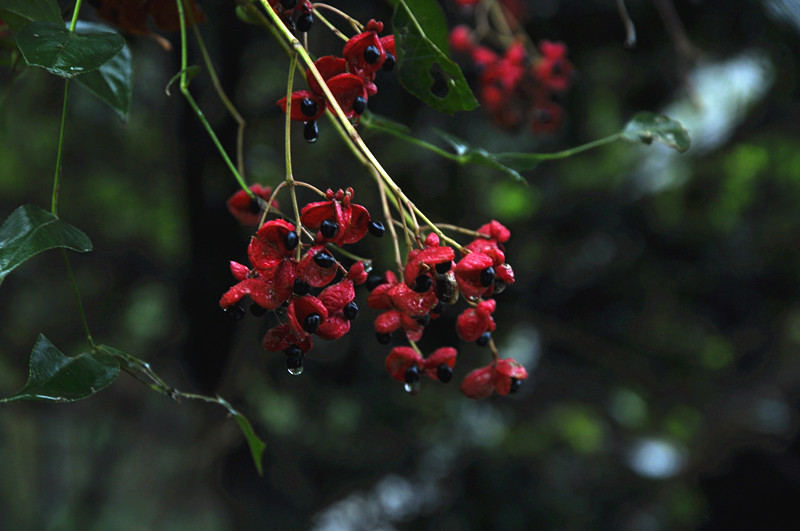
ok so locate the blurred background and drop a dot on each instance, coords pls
(657, 302)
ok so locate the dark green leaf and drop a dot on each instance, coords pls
(424, 65)
(65, 53)
(646, 127)
(113, 81)
(257, 446)
(471, 155)
(30, 230)
(56, 377)
(30, 10)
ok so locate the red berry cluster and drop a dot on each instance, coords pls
(351, 78)
(517, 87)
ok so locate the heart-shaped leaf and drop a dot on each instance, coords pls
(30, 230)
(113, 81)
(55, 377)
(66, 53)
(24, 11)
(423, 63)
(647, 126)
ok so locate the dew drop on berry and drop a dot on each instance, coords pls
(376, 228)
(312, 322)
(304, 22)
(324, 260)
(487, 277)
(308, 107)
(311, 131)
(515, 385)
(329, 228)
(350, 311)
(411, 378)
(293, 351)
(291, 240)
(389, 63)
(444, 373)
(294, 365)
(359, 105)
(235, 312)
(371, 54)
(411, 388)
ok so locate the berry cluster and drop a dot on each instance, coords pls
(351, 79)
(517, 87)
(287, 9)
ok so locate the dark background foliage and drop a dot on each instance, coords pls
(656, 303)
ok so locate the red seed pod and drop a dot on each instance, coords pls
(441, 356)
(282, 337)
(400, 359)
(246, 210)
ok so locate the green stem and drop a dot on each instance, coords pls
(571, 151)
(77, 293)
(196, 108)
(75, 11)
(59, 151)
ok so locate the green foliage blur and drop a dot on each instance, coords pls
(657, 301)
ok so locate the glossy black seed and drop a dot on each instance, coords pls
(439, 308)
(444, 267)
(515, 385)
(288, 4)
(499, 286)
(309, 107)
(312, 322)
(444, 373)
(290, 24)
(257, 310)
(383, 339)
(447, 289)
(389, 63)
(304, 22)
(373, 281)
(425, 320)
(484, 339)
(300, 287)
(372, 54)
(411, 375)
(293, 351)
(487, 276)
(291, 240)
(235, 312)
(311, 131)
(376, 228)
(294, 362)
(359, 105)
(350, 311)
(324, 260)
(329, 228)
(422, 283)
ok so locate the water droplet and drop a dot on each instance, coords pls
(412, 388)
(297, 371)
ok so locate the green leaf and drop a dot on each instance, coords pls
(646, 127)
(30, 230)
(30, 10)
(257, 446)
(113, 81)
(468, 154)
(55, 377)
(64, 53)
(423, 64)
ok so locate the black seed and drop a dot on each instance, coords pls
(412, 375)
(499, 286)
(293, 351)
(309, 107)
(422, 283)
(291, 240)
(304, 22)
(557, 68)
(376, 228)
(311, 131)
(447, 289)
(389, 63)
(300, 287)
(373, 281)
(235, 312)
(484, 339)
(255, 206)
(544, 116)
(515, 385)
(444, 267)
(487, 276)
(383, 339)
(290, 24)
(294, 362)
(312, 322)
(359, 105)
(425, 320)
(438, 309)
(329, 228)
(257, 310)
(444, 373)
(371, 54)
(350, 311)
(324, 260)
(288, 4)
